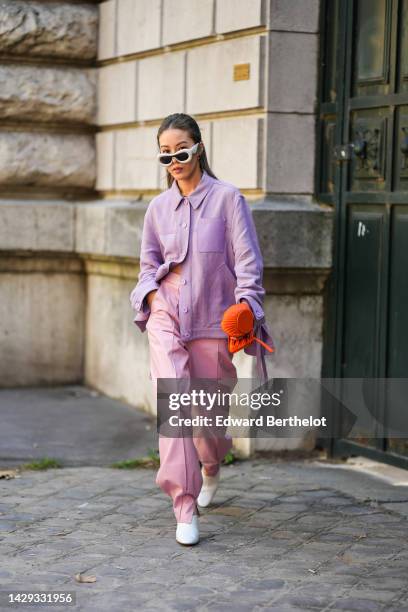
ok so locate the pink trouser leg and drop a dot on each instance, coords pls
(210, 358)
(179, 475)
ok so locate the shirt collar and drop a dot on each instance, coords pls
(196, 196)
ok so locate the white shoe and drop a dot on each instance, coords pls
(210, 485)
(188, 533)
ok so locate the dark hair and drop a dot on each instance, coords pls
(181, 121)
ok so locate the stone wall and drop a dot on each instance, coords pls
(47, 97)
(48, 81)
(48, 30)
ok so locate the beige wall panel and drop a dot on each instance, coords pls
(105, 160)
(107, 30)
(187, 20)
(138, 27)
(161, 86)
(232, 15)
(218, 91)
(237, 150)
(135, 164)
(117, 93)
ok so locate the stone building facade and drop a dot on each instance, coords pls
(83, 89)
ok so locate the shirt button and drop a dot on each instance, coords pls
(184, 224)
(185, 309)
(187, 334)
(184, 281)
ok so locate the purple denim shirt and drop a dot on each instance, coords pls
(213, 233)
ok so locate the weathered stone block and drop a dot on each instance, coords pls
(294, 234)
(47, 94)
(121, 349)
(187, 20)
(232, 15)
(292, 83)
(294, 16)
(37, 226)
(42, 325)
(161, 85)
(290, 152)
(110, 228)
(218, 91)
(138, 26)
(123, 229)
(117, 93)
(42, 159)
(90, 228)
(232, 137)
(51, 29)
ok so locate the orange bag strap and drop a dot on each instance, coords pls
(271, 350)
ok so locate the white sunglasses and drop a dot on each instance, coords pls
(183, 156)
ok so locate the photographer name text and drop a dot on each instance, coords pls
(259, 421)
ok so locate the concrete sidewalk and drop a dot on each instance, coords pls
(72, 423)
(294, 535)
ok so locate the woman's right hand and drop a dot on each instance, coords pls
(150, 297)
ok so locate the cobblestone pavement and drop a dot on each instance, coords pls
(296, 535)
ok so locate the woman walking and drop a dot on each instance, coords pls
(199, 255)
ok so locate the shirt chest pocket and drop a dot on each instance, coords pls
(169, 243)
(211, 234)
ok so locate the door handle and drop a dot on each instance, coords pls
(345, 152)
(360, 147)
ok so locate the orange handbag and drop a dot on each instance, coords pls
(238, 323)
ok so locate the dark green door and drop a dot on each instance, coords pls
(363, 173)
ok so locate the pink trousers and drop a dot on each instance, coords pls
(179, 475)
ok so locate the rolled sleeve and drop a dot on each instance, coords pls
(248, 259)
(150, 260)
(257, 311)
(140, 320)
